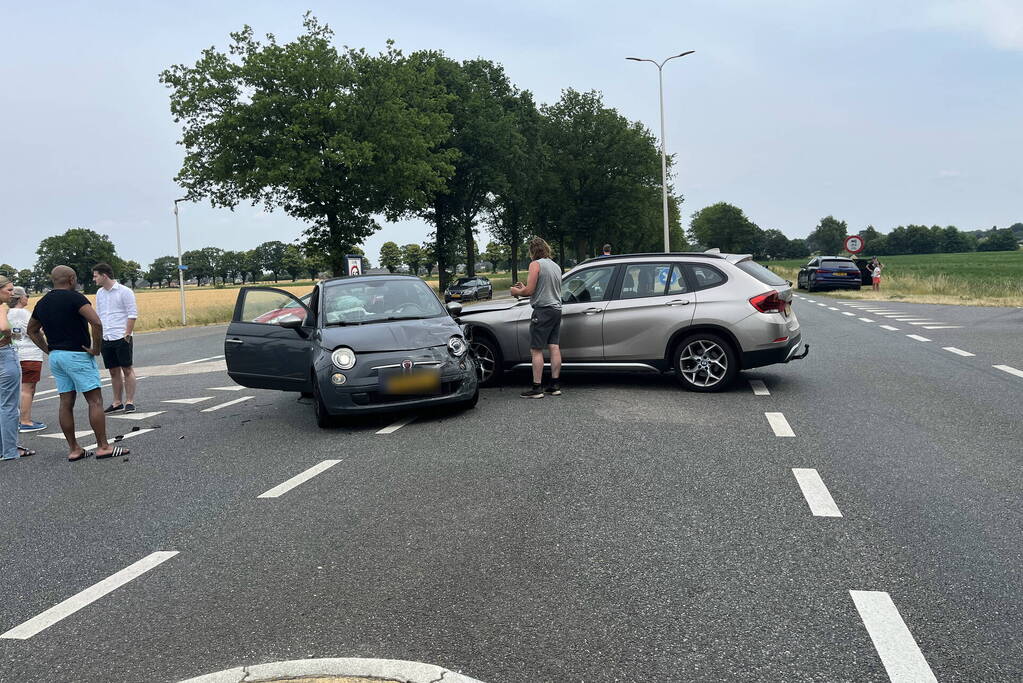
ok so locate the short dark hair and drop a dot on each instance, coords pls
(103, 269)
(606, 249)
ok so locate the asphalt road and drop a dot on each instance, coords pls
(626, 531)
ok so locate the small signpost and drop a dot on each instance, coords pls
(354, 262)
(182, 267)
(854, 244)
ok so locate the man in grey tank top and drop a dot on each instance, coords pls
(543, 287)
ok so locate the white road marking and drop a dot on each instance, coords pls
(822, 305)
(832, 308)
(894, 643)
(847, 313)
(812, 301)
(224, 405)
(926, 323)
(816, 493)
(88, 596)
(129, 435)
(78, 435)
(48, 391)
(942, 327)
(866, 320)
(917, 337)
(188, 401)
(906, 320)
(235, 388)
(136, 415)
(200, 360)
(891, 315)
(396, 426)
(779, 424)
(958, 352)
(759, 388)
(281, 489)
(50, 398)
(1009, 369)
(889, 327)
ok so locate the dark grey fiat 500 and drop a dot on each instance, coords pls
(356, 345)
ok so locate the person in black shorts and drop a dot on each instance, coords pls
(543, 287)
(115, 304)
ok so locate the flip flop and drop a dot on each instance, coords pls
(116, 453)
(25, 452)
(83, 456)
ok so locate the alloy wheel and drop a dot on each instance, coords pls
(486, 358)
(703, 363)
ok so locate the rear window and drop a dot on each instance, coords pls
(766, 276)
(838, 264)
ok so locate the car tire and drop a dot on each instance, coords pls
(809, 284)
(705, 362)
(488, 355)
(324, 419)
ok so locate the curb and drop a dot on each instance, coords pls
(387, 669)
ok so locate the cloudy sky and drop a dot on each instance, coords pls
(880, 112)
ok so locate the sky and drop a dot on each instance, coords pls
(881, 112)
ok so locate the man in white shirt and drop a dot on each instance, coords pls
(116, 307)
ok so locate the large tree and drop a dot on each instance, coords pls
(162, 270)
(132, 272)
(725, 227)
(390, 256)
(412, 256)
(829, 236)
(1000, 240)
(332, 137)
(79, 248)
(271, 257)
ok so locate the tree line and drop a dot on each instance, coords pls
(338, 137)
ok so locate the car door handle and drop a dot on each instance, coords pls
(591, 311)
(677, 302)
(233, 341)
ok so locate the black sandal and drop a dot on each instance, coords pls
(83, 456)
(116, 453)
(25, 452)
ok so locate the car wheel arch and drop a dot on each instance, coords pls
(680, 334)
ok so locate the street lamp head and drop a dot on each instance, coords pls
(635, 59)
(687, 52)
(183, 199)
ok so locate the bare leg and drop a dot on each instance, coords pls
(537, 358)
(555, 362)
(98, 420)
(129, 384)
(67, 423)
(28, 392)
(116, 385)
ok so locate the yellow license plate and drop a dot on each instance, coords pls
(840, 274)
(420, 382)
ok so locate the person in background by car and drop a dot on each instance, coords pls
(543, 287)
(10, 381)
(60, 327)
(29, 357)
(875, 274)
(116, 307)
(606, 251)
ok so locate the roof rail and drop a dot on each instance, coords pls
(653, 253)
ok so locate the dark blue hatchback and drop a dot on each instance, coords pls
(829, 272)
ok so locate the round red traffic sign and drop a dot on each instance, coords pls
(854, 244)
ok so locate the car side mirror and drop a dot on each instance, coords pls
(454, 308)
(295, 324)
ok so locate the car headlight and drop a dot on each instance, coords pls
(457, 346)
(343, 357)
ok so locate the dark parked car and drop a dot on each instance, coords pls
(469, 289)
(829, 272)
(359, 345)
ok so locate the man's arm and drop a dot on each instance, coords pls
(35, 333)
(531, 277)
(133, 312)
(90, 315)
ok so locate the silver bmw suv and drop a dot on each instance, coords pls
(702, 316)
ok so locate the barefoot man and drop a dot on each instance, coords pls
(60, 327)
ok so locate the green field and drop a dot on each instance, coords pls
(992, 278)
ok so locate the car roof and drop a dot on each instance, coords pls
(655, 254)
(367, 278)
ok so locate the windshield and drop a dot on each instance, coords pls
(838, 264)
(759, 272)
(368, 301)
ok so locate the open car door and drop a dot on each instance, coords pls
(269, 341)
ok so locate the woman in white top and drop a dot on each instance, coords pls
(10, 380)
(30, 358)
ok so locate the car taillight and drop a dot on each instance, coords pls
(823, 271)
(768, 302)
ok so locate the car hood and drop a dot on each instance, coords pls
(502, 304)
(397, 335)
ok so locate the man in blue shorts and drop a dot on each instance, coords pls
(60, 327)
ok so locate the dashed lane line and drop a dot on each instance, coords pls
(281, 489)
(136, 415)
(942, 327)
(816, 493)
(129, 435)
(820, 304)
(88, 596)
(866, 320)
(918, 337)
(396, 426)
(188, 401)
(906, 320)
(895, 645)
(958, 352)
(926, 323)
(225, 405)
(1009, 369)
(51, 398)
(759, 388)
(779, 424)
(234, 388)
(889, 327)
(832, 308)
(60, 435)
(847, 313)
(200, 360)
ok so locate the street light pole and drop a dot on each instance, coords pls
(664, 158)
(181, 271)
